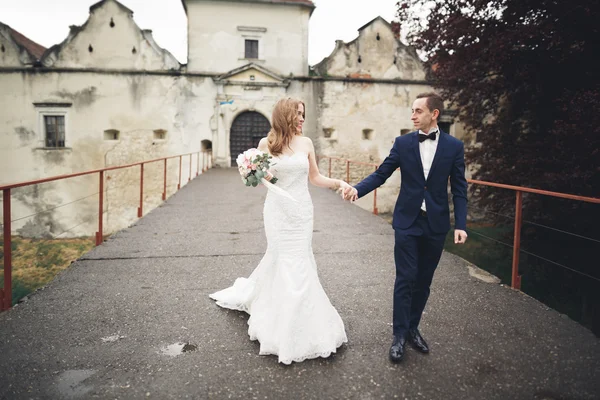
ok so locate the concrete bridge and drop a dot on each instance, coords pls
(132, 318)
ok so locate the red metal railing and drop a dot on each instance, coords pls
(6, 292)
(519, 190)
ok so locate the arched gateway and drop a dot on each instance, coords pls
(246, 131)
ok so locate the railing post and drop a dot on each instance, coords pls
(348, 171)
(100, 233)
(6, 300)
(516, 278)
(141, 207)
(375, 211)
(329, 176)
(210, 160)
(203, 160)
(198, 164)
(179, 184)
(190, 176)
(164, 194)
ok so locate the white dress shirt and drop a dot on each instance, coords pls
(427, 149)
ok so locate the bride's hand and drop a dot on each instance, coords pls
(348, 192)
(344, 188)
(269, 176)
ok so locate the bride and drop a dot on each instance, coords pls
(290, 314)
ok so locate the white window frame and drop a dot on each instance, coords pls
(50, 110)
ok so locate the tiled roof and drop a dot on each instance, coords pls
(308, 3)
(32, 47)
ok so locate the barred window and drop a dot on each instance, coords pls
(55, 130)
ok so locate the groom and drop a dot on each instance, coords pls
(427, 158)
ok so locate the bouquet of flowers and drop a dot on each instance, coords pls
(253, 165)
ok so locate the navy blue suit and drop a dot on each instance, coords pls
(420, 238)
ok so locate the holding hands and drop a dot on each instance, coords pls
(349, 193)
(343, 188)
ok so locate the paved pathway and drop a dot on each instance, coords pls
(101, 329)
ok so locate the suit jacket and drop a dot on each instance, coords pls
(448, 162)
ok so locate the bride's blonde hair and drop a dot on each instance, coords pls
(285, 125)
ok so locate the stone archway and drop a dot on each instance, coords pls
(246, 131)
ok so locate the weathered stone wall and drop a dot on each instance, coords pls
(111, 39)
(375, 53)
(96, 105)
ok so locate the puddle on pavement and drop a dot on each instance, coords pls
(112, 338)
(177, 349)
(70, 383)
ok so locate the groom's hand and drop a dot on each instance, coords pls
(460, 236)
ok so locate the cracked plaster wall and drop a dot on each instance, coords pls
(135, 105)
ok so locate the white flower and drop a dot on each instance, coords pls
(240, 159)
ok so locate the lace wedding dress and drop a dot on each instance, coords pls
(290, 314)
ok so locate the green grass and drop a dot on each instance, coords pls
(491, 256)
(35, 262)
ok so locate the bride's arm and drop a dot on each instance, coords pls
(315, 176)
(263, 146)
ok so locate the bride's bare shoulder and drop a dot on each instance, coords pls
(263, 145)
(308, 144)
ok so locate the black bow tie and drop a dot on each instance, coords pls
(423, 137)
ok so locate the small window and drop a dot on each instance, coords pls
(55, 130)
(251, 48)
(160, 134)
(327, 132)
(111, 134)
(367, 134)
(206, 145)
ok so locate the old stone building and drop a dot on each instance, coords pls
(109, 95)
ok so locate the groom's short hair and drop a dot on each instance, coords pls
(434, 101)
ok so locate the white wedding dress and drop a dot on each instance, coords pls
(290, 314)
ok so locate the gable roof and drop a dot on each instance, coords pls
(101, 2)
(36, 50)
(246, 67)
(306, 3)
(52, 54)
(372, 21)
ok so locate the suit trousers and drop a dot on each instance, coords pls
(417, 252)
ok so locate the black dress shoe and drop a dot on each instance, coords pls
(397, 349)
(417, 341)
